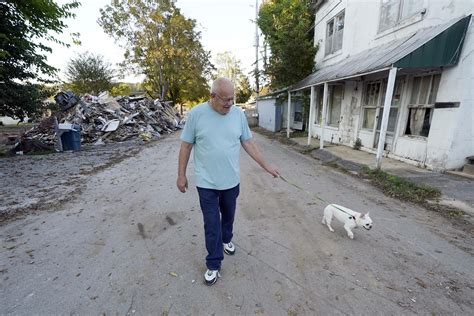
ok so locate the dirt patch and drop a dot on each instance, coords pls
(43, 182)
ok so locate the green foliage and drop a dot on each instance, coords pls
(20, 100)
(288, 29)
(228, 66)
(357, 144)
(244, 90)
(89, 73)
(121, 89)
(162, 44)
(400, 188)
(25, 27)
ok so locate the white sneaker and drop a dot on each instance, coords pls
(211, 276)
(229, 248)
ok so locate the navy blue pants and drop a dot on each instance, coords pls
(218, 210)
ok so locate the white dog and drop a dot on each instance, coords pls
(350, 218)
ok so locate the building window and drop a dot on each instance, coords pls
(373, 106)
(392, 12)
(334, 104)
(319, 104)
(421, 106)
(334, 33)
(371, 100)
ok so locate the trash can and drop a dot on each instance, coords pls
(71, 139)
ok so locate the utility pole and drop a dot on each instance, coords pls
(257, 85)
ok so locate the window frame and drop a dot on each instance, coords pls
(430, 95)
(379, 104)
(330, 104)
(399, 16)
(318, 114)
(331, 41)
(373, 106)
(319, 104)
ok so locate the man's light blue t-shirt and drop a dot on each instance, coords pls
(216, 138)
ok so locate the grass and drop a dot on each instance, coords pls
(39, 152)
(299, 134)
(281, 137)
(335, 165)
(400, 188)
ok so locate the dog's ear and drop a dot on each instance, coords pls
(367, 214)
(362, 215)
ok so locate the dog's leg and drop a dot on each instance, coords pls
(348, 230)
(324, 220)
(328, 220)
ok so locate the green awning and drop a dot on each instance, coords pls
(441, 51)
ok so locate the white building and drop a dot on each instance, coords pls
(423, 51)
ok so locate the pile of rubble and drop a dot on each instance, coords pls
(106, 119)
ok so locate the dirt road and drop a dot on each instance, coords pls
(89, 257)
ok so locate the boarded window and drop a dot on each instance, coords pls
(392, 12)
(421, 107)
(334, 34)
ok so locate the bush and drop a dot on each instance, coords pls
(357, 144)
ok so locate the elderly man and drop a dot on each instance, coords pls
(216, 129)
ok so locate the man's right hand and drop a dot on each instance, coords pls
(182, 183)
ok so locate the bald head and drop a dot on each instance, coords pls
(222, 95)
(222, 84)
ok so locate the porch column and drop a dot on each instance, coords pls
(386, 113)
(288, 116)
(311, 113)
(323, 114)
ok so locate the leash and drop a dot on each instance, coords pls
(314, 195)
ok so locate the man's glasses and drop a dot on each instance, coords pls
(223, 99)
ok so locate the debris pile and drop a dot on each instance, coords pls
(107, 119)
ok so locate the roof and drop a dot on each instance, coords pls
(428, 47)
(273, 94)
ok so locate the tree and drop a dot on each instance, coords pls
(288, 29)
(228, 65)
(25, 29)
(89, 73)
(244, 90)
(162, 44)
(121, 89)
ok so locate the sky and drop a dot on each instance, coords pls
(225, 25)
